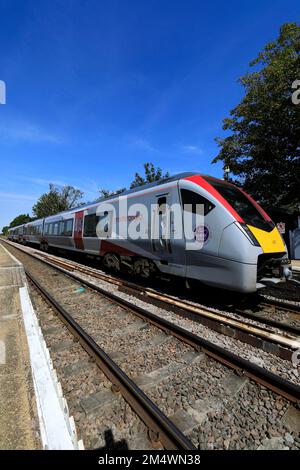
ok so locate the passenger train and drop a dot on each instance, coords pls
(240, 245)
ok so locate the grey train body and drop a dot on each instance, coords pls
(226, 260)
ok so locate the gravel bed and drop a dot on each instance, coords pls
(266, 313)
(237, 426)
(282, 316)
(259, 357)
(243, 416)
(288, 292)
(279, 316)
(192, 383)
(262, 358)
(272, 296)
(118, 426)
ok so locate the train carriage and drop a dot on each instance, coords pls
(236, 246)
(33, 232)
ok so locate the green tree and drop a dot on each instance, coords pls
(5, 229)
(151, 174)
(57, 200)
(263, 147)
(108, 193)
(20, 220)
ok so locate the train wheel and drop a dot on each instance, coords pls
(142, 267)
(44, 247)
(112, 261)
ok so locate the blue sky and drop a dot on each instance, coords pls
(97, 88)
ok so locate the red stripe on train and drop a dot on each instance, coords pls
(78, 240)
(111, 247)
(197, 179)
(258, 207)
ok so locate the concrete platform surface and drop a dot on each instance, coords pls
(19, 426)
(33, 411)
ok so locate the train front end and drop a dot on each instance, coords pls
(273, 263)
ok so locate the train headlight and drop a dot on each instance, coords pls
(247, 232)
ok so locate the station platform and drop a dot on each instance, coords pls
(33, 412)
(18, 413)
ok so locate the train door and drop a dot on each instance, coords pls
(161, 227)
(202, 236)
(166, 233)
(78, 240)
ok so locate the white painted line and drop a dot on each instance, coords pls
(55, 428)
(2, 353)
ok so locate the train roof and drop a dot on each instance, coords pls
(166, 180)
(169, 179)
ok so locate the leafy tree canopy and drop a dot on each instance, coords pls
(151, 174)
(57, 200)
(20, 220)
(263, 147)
(5, 229)
(107, 192)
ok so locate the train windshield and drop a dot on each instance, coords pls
(242, 205)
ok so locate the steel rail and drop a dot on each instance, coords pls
(280, 305)
(270, 380)
(201, 311)
(158, 423)
(164, 297)
(258, 374)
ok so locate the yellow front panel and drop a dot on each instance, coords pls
(271, 242)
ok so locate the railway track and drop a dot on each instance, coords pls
(282, 339)
(277, 304)
(81, 317)
(281, 305)
(160, 427)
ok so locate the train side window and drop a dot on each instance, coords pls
(68, 227)
(162, 201)
(56, 228)
(90, 224)
(190, 198)
(61, 228)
